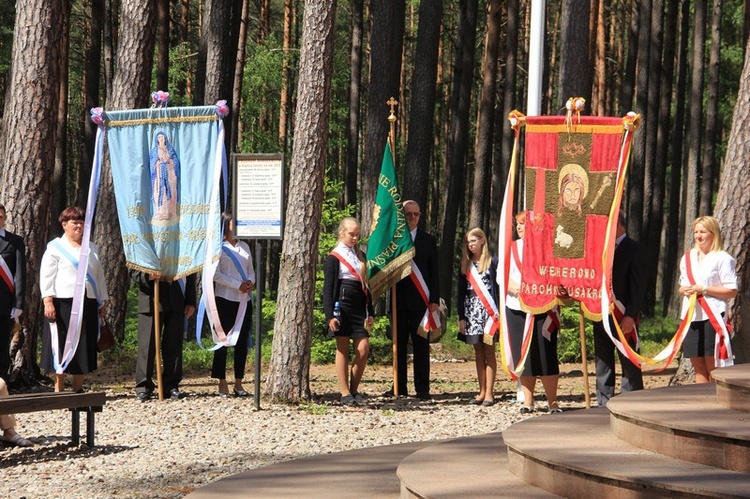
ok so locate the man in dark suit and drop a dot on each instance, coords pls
(629, 287)
(177, 304)
(12, 287)
(410, 306)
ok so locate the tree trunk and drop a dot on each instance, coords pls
(695, 121)
(29, 126)
(422, 106)
(503, 146)
(628, 79)
(598, 92)
(710, 169)
(355, 84)
(660, 160)
(91, 81)
(59, 200)
(162, 44)
(130, 90)
(239, 71)
(650, 170)
(385, 71)
(289, 369)
(672, 301)
(111, 38)
(732, 206)
(284, 101)
(480, 193)
(575, 67)
(457, 142)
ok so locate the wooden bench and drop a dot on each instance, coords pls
(89, 403)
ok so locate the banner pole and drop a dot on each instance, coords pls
(157, 340)
(394, 333)
(584, 366)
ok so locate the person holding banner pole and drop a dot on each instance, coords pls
(176, 303)
(629, 288)
(417, 301)
(12, 287)
(477, 311)
(344, 272)
(234, 277)
(69, 336)
(708, 272)
(541, 358)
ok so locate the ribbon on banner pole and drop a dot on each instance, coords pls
(517, 120)
(60, 363)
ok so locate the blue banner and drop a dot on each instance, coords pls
(166, 168)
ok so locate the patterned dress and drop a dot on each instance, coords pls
(476, 314)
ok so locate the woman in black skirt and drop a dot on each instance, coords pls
(345, 283)
(541, 360)
(713, 278)
(57, 280)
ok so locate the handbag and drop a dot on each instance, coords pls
(106, 338)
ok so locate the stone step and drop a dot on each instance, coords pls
(684, 422)
(465, 467)
(576, 455)
(733, 387)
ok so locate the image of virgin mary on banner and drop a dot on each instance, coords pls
(166, 169)
(572, 169)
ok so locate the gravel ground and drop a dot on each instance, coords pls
(168, 449)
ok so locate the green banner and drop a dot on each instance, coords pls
(390, 248)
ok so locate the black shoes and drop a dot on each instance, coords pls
(176, 394)
(240, 393)
(424, 397)
(143, 396)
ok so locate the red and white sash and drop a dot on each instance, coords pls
(723, 348)
(492, 324)
(430, 321)
(341, 258)
(6, 275)
(619, 314)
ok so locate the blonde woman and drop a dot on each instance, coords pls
(477, 309)
(708, 271)
(344, 272)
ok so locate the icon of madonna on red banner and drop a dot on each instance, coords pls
(571, 179)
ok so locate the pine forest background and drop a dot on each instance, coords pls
(311, 79)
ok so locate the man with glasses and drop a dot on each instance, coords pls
(411, 307)
(12, 284)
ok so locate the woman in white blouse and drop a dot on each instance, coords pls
(57, 280)
(711, 275)
(234, 277)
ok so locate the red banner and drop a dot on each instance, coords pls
(571, 178)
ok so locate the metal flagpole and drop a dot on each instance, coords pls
(157, 340)
(536, 58)
(258, 299)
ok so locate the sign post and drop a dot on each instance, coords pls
(258, 214)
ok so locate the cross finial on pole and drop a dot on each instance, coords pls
(392, 120)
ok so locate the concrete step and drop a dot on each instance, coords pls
(465, 467)
(733, 387)
(684, 422)
(576, 455)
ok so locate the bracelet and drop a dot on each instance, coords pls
(705, 290)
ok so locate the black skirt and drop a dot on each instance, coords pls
(542, 358)
(700, 340)
(84, 359)
(353, 303)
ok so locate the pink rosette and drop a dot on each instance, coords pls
(97, 115)
(160, 98)
(221, 108)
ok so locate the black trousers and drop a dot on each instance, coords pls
(408, 322)
(227, 313)
(6, 325)
(172, 324)
(604, 351)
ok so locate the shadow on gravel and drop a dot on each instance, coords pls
(60, 450)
